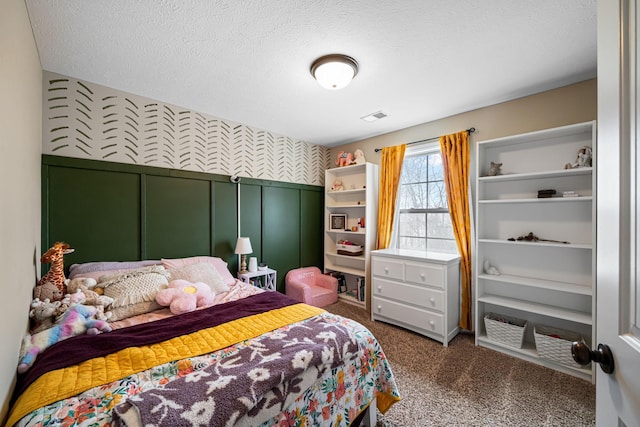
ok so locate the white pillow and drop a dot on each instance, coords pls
(201, 272)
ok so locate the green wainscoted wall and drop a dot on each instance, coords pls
(119, 212)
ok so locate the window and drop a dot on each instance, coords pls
(423, 215)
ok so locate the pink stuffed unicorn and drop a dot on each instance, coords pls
(77, 320)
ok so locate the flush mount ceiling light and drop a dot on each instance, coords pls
(334, 71)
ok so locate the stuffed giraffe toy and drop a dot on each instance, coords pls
(55, 256)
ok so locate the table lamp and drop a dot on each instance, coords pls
(243, 247)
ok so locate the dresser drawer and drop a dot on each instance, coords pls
(425, 274)
(430, 299)
(384, 267)
(415, 317)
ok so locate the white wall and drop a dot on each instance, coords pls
(20, 151)
(563, 106)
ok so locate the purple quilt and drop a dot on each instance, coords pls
(250, 386)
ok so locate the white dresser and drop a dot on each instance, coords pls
(417, 290)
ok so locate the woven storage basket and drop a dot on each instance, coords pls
(555, 344)
(504, 329)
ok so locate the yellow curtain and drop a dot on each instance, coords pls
(456, 162)
(390, 170)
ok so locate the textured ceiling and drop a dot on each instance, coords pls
(248, 60)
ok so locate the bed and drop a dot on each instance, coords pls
(251, 358)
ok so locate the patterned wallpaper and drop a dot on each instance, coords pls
(90, 121)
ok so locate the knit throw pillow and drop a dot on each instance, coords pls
(134, 291)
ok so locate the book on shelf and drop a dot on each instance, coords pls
(360, 288)
(342, 282)
(353, 293)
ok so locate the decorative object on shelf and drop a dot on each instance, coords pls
(533, 238)
(494, 169)
(262, 266)
(337, 185)
(555, 344)
(361, 222)
(344, 159)
(243, 247)
(545, 194)
(570, 194)
(490, 269)
(253, 264)
(583, 159)
(337, 221)
(358, 155)
(505, 329)
(345, 247)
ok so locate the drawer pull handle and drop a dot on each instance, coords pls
(386, 269)
(432, 300)
(379, 288)
(432, 323)
(422, 276)
(379, 308)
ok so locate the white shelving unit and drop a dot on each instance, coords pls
(548, 283)
(357, 199)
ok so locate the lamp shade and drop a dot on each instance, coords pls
(334, 71)
(243, 246)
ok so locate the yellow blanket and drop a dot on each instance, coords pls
(66, 382)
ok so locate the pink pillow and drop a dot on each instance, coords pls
(218, 263)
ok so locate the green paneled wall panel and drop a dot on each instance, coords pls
(100, 209)
(250, 217)
(177, 217)
(281, 230)
(311, 229)
(225, 223)
(96, 212)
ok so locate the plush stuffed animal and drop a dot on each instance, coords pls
(183, 296)
(47, 291)
(494, 169)
(583, 159)
(490, 269)
(337, 185)
(344, 159)
(88, 285)
(81, 292)
(358, 157)
(77, 320)
(55, 256)
(43, 313)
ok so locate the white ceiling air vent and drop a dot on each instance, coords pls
(374, 116)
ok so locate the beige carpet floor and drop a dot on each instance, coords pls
(465, 385)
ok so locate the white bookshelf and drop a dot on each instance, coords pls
(549, 283)
(357, 199)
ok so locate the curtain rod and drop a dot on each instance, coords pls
(470, 131)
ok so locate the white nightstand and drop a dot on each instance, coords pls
(265, 279)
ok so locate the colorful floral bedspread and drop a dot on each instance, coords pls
(334, 399)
